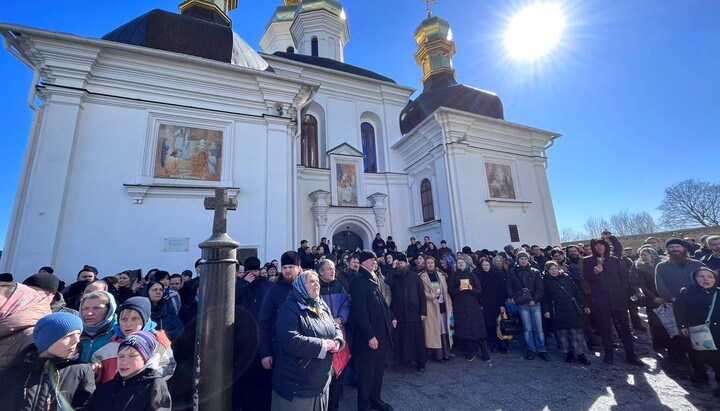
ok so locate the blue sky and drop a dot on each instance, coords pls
(633, 86)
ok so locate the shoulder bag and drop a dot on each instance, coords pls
(700, 335)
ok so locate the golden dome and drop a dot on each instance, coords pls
(333, 6)
(433, 28)
(284, 13)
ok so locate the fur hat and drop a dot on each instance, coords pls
(671, 241)
(400, 257)
(251, 263)
(290, 258)
(51, 328)
(44, 281)
(366, 255)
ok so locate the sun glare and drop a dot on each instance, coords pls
(534, 31)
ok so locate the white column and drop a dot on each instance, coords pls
(321, 204)
(41, 220)
(379, 208)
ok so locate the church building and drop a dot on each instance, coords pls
(133, 130)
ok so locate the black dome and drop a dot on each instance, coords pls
(441, 90)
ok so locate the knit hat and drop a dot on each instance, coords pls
(401, 257)
(143, 342)
(290, 258)
(44, 281)
(522, 254)
(677, 241)
(51, 328)
(139, 304)
(47, 269)
(366, 255)
(251, 263)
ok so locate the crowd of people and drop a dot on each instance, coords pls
(329, 317)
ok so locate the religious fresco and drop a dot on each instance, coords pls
(347, 185)
(188, 153)
(500, 181)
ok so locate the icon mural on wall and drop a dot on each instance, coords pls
(500, 181)
(188, 153)
(347, 185)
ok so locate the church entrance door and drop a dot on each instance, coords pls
(347, 240)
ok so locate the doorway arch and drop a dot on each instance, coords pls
(355, 230)
(347, 240)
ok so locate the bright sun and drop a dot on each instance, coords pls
(534, 31)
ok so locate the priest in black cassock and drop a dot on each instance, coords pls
(408, 306)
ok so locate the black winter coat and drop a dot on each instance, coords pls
(28, 384)
(267, 319)
(692, 306)
(251, 295)
(467, 310)
(408, 296)
(145, 391)
(563, 311)
(370, 313)
(493, 292)
(609, 289)
(520, 277)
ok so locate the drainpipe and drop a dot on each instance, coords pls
(16, 215)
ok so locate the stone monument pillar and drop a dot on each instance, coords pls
(216, 311)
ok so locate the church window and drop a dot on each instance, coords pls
(514, 234)
(314, 47)
(290, 49)
(309, 142)
(367, 132)
(427, 201)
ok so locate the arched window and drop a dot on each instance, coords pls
(309, 142)
(368, 145)
(290, 49)
(427, 201)
(314, 47)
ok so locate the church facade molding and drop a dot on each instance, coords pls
(139, 192)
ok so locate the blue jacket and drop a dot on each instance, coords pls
(337, 298)
(274, 299)
(88, 345)
(251, 295)
(302, 365)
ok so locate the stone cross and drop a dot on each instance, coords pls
(220, 203)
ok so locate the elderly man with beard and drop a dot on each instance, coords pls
(672, 275)
(609, 281)
(712, 258)
(408, 306)
(374, 323)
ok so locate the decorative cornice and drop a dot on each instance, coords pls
(493, 204)
(139, 192)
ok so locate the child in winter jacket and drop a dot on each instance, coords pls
(136, 386)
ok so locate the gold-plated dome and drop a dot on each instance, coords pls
(333, 6)
(284, 13)
(433, 28)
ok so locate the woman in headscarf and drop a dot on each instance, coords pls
(308, 336)
(466, 292)
(97, 310)
(163, 311)
(697, 305)
(20, 308)
(644, 272)
(492, 281)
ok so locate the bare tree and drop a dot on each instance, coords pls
(594, 226)
(690, 203)
(627, 223)
(568, 234)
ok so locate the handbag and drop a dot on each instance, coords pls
(700, 335)
(341, 358)
(666, 315)
(498, 328)
(523, 296)
(508, 326)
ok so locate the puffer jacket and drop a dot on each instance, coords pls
(20, 308)
(90, 344)
(337, 298)
(559, 303)
(145, 391)
(520, 277)
(29, 383)
(302, 367)
(164, 358)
